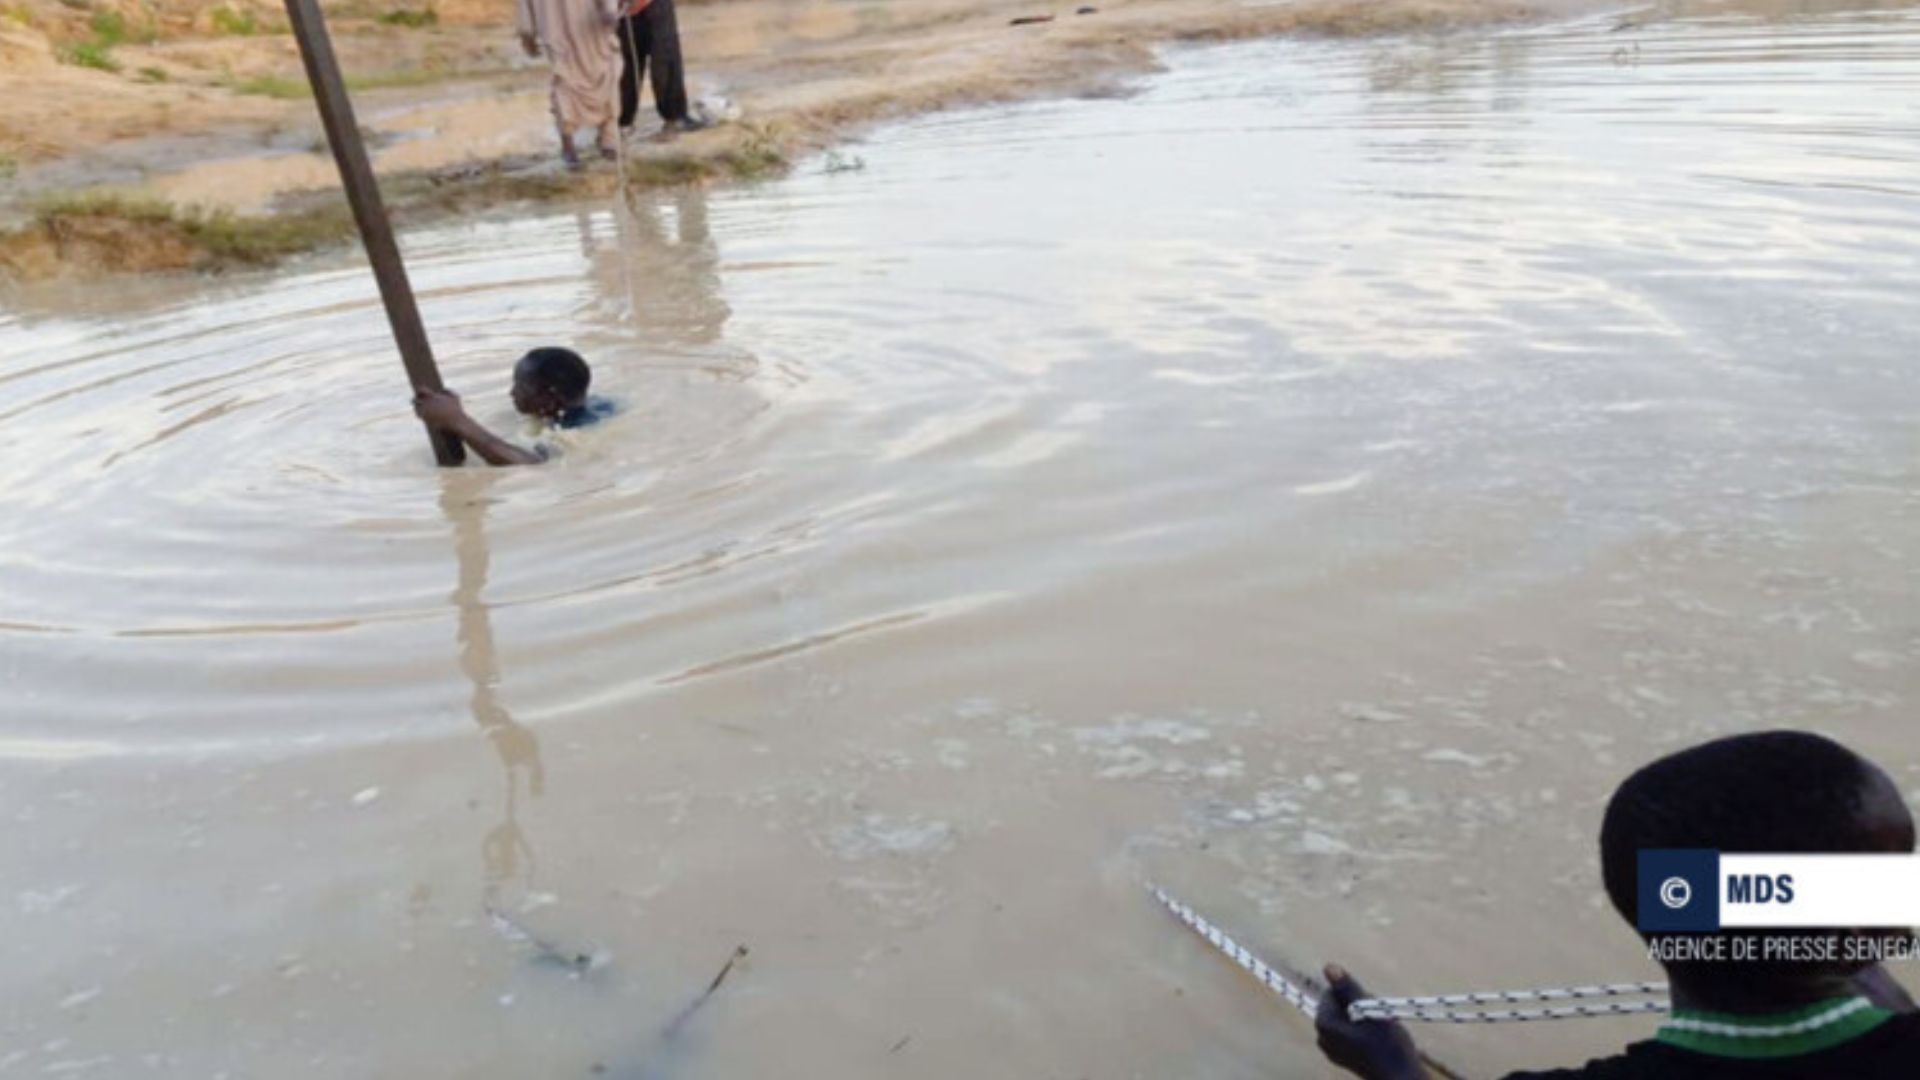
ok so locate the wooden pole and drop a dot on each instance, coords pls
(363, 194)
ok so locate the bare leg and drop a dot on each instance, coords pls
(609, 148)
(567, 152)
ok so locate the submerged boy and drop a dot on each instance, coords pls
(549, 387)
(1777, 791)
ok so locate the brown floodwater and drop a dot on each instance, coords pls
(1310, 483)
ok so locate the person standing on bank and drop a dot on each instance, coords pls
(650, 32)
(577, 38)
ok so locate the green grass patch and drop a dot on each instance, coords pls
(90, 54)
(275, 86)
(230, 23)
(746, 163)
(411, 19)
(670, 171)
(272, 86)
(109, 28)
(219, 238)
(753, 161)
(387, 80)
(152, 75)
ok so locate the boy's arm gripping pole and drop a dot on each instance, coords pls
(369, 213)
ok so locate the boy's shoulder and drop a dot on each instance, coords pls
(594, 410)
(1888, 1051)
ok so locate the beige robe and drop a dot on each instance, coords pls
(578, 38)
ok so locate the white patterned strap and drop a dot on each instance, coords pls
(1432, 1008)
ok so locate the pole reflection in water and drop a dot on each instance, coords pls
(506, 857)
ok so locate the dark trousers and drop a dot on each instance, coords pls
(653, 34)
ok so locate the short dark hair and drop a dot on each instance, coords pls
(561, 370)
(1790, 792)
(1770, 791)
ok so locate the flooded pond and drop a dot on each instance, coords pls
(1311, 483)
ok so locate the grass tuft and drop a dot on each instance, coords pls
(214, 239)
(109, 31)
(275, 86)
(90, 54)
(109, 28)
(383, 80)
(411, 19)
(96, 233)
(753, 162)
(272, 86)
(756, 157)
(670, 170)
(231, 23)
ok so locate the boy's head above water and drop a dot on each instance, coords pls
(549, 382)
(1773, 791)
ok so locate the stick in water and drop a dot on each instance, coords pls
(686, 1014)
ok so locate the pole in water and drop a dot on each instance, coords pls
(369, 213)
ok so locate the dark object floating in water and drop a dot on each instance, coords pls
(673, 1028)
(1086, 11)
(1029, 20)
(574, 962)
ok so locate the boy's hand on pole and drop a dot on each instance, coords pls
(1372, 1049)
(439, 409)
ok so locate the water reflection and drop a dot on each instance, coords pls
(505, 854)
(660, 270)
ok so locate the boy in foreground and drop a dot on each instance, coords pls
(549, 387)
(1780, 792)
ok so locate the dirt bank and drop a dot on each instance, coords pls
(201, 105)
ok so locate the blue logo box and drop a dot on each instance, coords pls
(1678, 890)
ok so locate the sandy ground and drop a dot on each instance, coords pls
(177, 120)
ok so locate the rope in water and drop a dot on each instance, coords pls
(1289, 993)
(1430, 1008)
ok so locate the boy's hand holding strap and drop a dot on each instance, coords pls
(1370, 1049)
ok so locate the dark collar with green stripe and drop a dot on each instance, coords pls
(1806, 1030)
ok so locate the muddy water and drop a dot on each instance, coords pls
(1310, 483)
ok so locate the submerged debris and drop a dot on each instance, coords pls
(575, 962)
(673, 1027)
